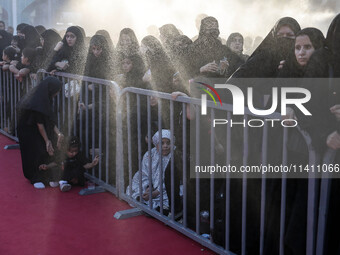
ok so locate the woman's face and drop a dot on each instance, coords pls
(96, 50)
(236, 45)
(303, 49)
(125, 40)
(285, 31)
(126, 65)
(71, 39)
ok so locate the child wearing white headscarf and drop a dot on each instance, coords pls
(157, 156)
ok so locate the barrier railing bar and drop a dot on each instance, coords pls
(160, 152)
(212, 179)
(184, 155)
(227, 197)
(172, 143)
(283, 191)
(244, 188)
(263, 186)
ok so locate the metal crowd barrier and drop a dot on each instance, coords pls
(103, 127)
(11, 91)
(195, 232)
(94, 123)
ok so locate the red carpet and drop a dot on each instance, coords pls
(51, 222)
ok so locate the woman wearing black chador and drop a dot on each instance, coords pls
(37, 131)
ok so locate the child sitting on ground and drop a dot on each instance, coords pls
(8, 55)
(23, 68)
(156, 171)
(73, 165)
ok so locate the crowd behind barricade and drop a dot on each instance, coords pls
(166, 65)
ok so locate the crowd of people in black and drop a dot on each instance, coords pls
(167, 65)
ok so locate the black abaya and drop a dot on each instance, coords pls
(326, 63)
(36, 108)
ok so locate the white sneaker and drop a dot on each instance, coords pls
(62, 182)
(65, 187)
(54, 184)
(39, 185)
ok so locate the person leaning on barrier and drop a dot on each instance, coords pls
(8, 55)
(71, 54)
(24, 67)
(30, 38)
(45, 53)
(130, 70)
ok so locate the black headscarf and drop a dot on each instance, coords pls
(51, 38)
(333, 43)
(160, 65)
(102, 66)
(39, 99)
(167, 33)
(32, 37)
(40, 29)
(134, 78)
(78, 33)
(324, 63)
(181, 58)
(208, 48)
(82, 30)
(5, 40)
(232, 37)
(315, 36)
(180, 45)
(107, 36)
(46, 52)
(75, 55)
(293, 69)
(133, 48)
(264, 62)
(20, 27)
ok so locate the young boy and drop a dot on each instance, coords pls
(73, 165)
(21, 69)
(7, 56)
